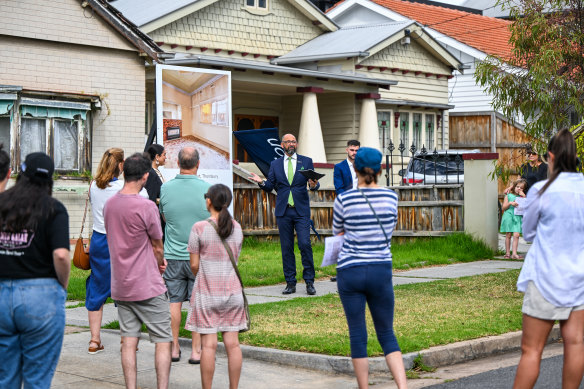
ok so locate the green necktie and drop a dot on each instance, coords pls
(290, 178)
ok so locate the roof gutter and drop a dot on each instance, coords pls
(125, 27)
(411, 103)
(313, 58)
(199, 60)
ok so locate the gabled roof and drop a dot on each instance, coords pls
(150, 15)
(487, 34)
(364, 41)
(345, 42)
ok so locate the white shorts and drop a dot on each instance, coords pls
(535, 305)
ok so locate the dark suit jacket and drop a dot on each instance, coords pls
(277, 180)
(342, 177)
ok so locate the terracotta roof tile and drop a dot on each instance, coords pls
(487, 34)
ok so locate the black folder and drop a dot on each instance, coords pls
(311, 174)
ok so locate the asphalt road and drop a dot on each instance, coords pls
(550, 377)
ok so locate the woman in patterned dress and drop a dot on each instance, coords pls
(217, 299)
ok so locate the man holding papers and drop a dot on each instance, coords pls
(292, 210)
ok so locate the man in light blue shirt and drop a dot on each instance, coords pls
(182, 204)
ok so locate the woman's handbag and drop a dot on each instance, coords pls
(232, 258)
(80, 257)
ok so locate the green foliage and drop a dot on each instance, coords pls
(543, 79)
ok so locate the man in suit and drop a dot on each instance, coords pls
(292, 210)
(344, 174)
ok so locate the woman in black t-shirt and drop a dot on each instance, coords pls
(34, 274)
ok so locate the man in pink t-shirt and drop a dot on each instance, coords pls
(134, 237)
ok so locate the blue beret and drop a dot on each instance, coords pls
(368, 157)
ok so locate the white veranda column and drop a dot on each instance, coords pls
(310, 139)
(368, 129)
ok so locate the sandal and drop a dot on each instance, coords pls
(95, 350)
(507, 256)
(517, 257)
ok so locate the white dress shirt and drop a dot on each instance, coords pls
(353, 174)
(294, 160)
(554, 222)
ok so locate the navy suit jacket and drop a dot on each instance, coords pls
(277, 180)
(342, 177)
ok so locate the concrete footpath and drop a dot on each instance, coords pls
(268, 367)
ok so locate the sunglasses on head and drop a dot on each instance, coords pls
(206, 196)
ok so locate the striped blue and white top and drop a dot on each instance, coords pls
(365, 242)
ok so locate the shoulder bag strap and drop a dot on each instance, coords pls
(85, 212)
(375, 213)
(229, 252)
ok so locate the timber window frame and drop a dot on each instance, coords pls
(54, 125)
(257, 7)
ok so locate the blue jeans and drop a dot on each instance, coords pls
(32, 325)
(372, 284)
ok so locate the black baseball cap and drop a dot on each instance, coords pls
(38, 166)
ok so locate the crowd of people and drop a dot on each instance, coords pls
(157, 244)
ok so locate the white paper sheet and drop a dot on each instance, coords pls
(521, 205)
(332, 249)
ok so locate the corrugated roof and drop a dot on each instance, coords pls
(349, 41)
(487, 34)
(141, 12)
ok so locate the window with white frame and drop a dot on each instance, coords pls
(257, 4)
(430, 131)
(404, 129)
(384, 125)
(417, 130)
(58, 128)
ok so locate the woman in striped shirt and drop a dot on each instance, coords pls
(366, 216)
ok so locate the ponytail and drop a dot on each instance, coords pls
(109, 167)
(221, 197)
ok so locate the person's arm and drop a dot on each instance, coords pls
(338, 180)
(506, 203)
(269, 183)
(531, 215)
(62, 263)
(312, 184)
(338, 220)
(158, 249)
(195, 260)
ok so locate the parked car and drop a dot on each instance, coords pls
(441, 170)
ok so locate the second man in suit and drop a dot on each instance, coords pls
(344, 174)
(292, 210)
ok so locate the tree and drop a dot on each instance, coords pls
(544, 79)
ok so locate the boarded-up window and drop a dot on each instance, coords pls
(66, 144)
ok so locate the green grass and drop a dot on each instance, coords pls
(426, 315)
(260, 262)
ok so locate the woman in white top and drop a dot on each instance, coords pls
(552, 276)
(98, 284)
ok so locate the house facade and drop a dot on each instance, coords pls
(72, 84)
(471, 38)
(295, 69)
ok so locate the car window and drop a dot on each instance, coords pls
(441, 167)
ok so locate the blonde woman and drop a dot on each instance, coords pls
(105, 185)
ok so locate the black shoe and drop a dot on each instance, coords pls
(310, 288)
(333, 279)
(290, 288)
